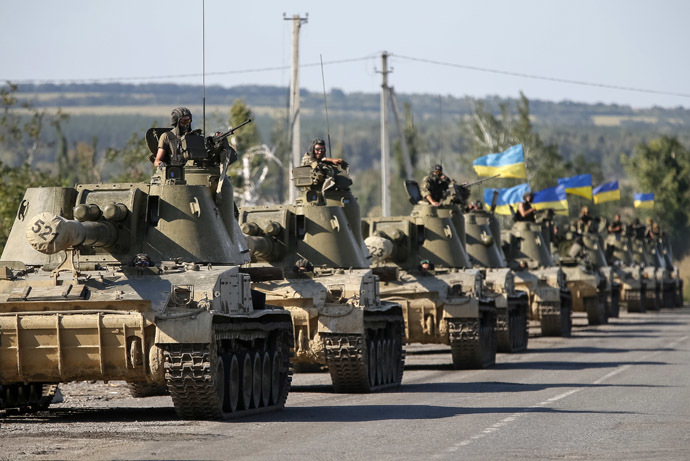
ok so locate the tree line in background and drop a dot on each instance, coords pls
(40, 146)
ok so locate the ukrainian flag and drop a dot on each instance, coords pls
(644, 201)
(509, 164)
(606, 192)
(578, 185)
(506, 197)
(553, 197)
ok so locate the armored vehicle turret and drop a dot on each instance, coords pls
(311, 259)
(423, 266)
(594, 245)
(667, 253)
(666, 272)
(627, 272)
(530, 257)
(589, 288)
(643, 257)
(483, 239)
(141, 282)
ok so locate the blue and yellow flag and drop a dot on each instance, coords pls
(644, 201)
(606, 192)
(578, 185)
(506, 197)
(509, 164)
(552, 197)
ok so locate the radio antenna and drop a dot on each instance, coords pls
(203, 65)
(325, 104)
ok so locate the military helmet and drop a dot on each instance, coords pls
(178, 113)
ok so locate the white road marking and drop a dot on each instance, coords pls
(515, 416)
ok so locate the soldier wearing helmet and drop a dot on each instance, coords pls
(169, 152)
(435, 185)
(526, 212)
(317, 153)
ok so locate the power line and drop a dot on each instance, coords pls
(164, 77)
(541, 77)
(364, 58)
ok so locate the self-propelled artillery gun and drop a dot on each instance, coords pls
(141, 282)
(529, 255)
(579, 254)
(627, 272)
(666, 252)
(309, 257)
(669, 275)
(483, 244)
(422, 263)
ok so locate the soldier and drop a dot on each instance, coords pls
(525, 210)
(584, 220)
(317, 153)
(434, 186)
(616, 227)
(652, 229)
(169, 152)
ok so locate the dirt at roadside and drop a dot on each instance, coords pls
(91, 421)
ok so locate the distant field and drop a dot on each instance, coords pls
(163, 111)
(618, 120)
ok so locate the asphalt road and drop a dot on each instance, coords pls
(619, 391)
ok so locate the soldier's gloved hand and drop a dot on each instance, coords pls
(162, 165)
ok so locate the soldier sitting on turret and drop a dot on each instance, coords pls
(327, 172)
(169, 145)
(317, 153)
(584, 221)
(526, 212)
(435, 185)
(616, 227)
(652, 230)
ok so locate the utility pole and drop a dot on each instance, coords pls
(385, 155)
(297, 22)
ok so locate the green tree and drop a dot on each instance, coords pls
(400, 205)
(22, 128)
(242, 140)
(662, 166)
(131, 163)
(280, 139)
(247, 136)
(14, 182)
(491, 134)
(21, 140)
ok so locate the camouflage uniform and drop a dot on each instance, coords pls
(434, 185)
(171, 144)
(308, 159)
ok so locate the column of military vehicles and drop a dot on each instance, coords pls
(170, 287)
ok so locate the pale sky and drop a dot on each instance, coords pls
(623, 43)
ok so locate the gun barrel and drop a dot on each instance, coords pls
(479, 181)
(380, 248)
(50, 233)
(232, 130)
(259, 246)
